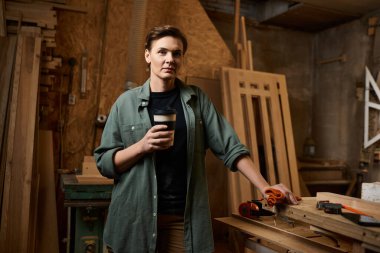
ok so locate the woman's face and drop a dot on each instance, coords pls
(165, 57)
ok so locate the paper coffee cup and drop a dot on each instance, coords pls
(165, 117)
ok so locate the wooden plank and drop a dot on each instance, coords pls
(250, 55)
(42, 15)
(244, 58)
(271, 173)
(227, 109)
(92, 179)
(277, 122)
(7, 53)
(3, 30)
(21, 152)
(47, 231)
(6, 221)
(251, 132)
(241, 187)
(290, 146)
(237, 22)
(29, 78)
(307, 212)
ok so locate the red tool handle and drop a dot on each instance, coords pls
(354, 210)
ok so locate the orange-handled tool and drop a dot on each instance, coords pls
(354, 210)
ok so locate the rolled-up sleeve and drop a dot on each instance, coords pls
(111, 142)
(221, 137)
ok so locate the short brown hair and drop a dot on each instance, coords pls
(159, 32)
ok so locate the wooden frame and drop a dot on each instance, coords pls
(256, 104)
(370, 84)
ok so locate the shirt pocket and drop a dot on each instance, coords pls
(130, 134)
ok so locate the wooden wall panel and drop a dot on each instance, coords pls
(207, 51)
(79, 34)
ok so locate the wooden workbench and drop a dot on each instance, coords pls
(85, 196)
(78, 187)
(304, 228)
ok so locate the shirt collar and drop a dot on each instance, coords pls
(185, 90)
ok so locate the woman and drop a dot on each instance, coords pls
(160, 199)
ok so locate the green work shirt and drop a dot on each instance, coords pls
(131, 225)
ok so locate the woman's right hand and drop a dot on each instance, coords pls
(157, 138)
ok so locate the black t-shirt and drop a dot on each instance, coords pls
(171, 163)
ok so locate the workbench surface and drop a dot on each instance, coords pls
(307, 212)
(293, 236)
(307, 217)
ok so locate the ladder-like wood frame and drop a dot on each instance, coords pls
(239, 89)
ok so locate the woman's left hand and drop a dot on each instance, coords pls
(290, 197)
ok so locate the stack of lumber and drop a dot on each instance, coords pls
(19, 176)
(26, 30)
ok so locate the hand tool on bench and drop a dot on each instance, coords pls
(275, 200)
(336, 208)
(253, 209)
(354, 215)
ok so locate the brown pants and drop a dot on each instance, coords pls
(170, 231)
(170, 237)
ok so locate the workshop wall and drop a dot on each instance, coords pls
(338, 112)
(78, 35)
(102, 35)
(326, 100)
